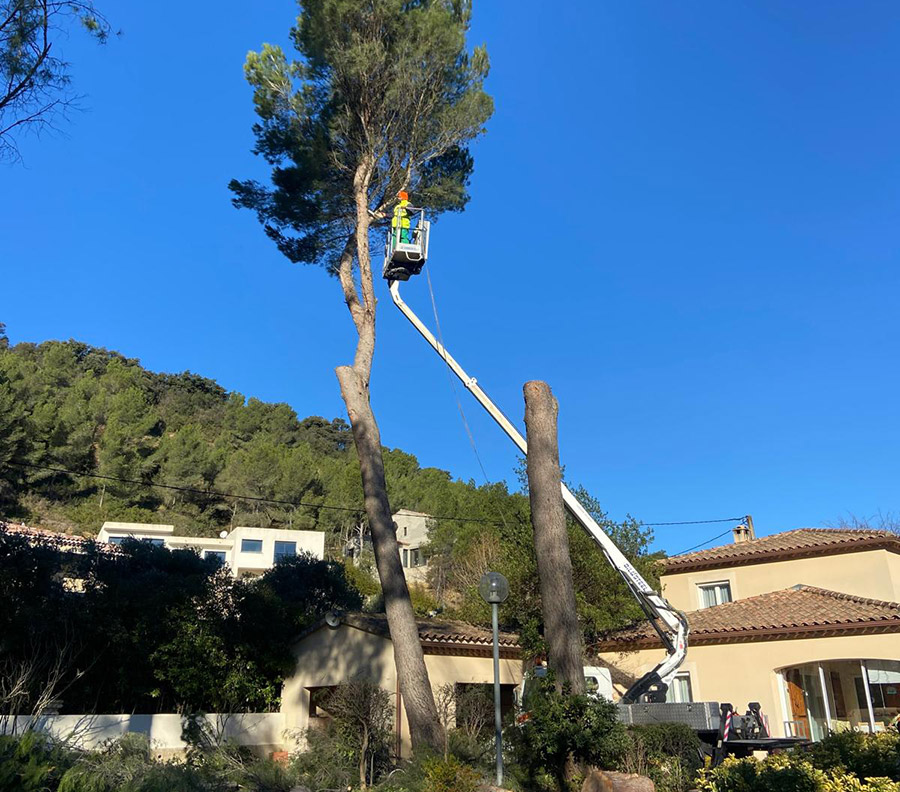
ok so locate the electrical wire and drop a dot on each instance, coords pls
(462, 412)
(718, 536)
(218, 494)
(443, 354)
(326, 506)
(694, 522)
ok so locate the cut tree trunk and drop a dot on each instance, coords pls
(551, 541)
(415, 688)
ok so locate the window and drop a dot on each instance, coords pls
(406, 558)
(285, 550)
(680, 690)
(218, 555)
(251, 545)
(405, 530)
(117, 540)
(714, 594)
(415, 558)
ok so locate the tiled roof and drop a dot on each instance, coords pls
(437, 637)
(433, 632)
(777, 615)
(788, 544)
(63, 541)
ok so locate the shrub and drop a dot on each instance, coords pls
(785, 773)
(863, 755)
(559, 726)
(429, 773)
(127, 765)
(32, 763)
(327, 762)
(449, 775)
(669, 753)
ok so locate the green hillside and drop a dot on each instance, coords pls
(71, 413)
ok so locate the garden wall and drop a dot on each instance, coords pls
(263, 732)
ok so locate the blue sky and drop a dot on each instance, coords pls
(684, 218)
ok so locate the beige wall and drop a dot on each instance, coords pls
(873, 573)
(331, 656)
(744, 672)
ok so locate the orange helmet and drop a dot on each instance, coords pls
(402, 195)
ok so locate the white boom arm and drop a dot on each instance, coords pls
(674, 628)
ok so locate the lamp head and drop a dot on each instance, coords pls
(493, 588)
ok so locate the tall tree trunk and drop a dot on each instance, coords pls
(412, 675)
(415, 688)
(551, 541)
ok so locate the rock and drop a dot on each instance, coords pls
(608, 781)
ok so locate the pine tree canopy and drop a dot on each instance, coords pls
(386, 84)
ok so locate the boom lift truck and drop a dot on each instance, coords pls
(723, 729)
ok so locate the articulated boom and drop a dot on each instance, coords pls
(669, 623)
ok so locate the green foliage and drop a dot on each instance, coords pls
(67, 404)
(153, 630)
(362, 714)
(559, 726)
(354, 98)
(786, 773)
(669, 753)
(35, 83)
(449, 775)
(127, 765)
(327, 762)
(864, 755)
(32, 763)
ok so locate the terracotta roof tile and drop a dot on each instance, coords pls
(788, 544)
(433, 632)
(56, 538)
(772, 616)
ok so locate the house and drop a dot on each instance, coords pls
(246, 550)
(412, 532)
(807, 622)
(358, 646)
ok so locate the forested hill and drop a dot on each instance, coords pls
(88, 410)
(71, 413)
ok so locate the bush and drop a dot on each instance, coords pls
(428, 773)
(669, 753)
(449, 775)
(327, 762)
(127, 765)
(32, 763)
(559, 726)
(863, 755)
(785, 773)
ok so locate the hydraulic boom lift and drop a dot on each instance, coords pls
(721, 729)
(402, 261)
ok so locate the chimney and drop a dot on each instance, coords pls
(744, 532)
(741, 534)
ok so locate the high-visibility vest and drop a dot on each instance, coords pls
(401, 216)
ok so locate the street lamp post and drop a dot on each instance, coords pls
(494, 589)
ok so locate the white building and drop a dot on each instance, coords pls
(246, 551)
(412, 532)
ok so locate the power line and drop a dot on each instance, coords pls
(695, 522)
(217, 494)
(327, 506)
(719, 536)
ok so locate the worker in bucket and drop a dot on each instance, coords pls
(400, 220)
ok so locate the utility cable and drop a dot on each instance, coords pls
(695, 522)
(718, 536)
(327, 506)
(462, 412)
(218, 494)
